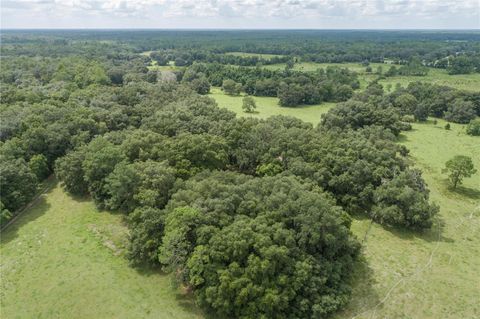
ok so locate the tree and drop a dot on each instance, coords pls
(461, 65)
(230, 87)
(146, 184)
(403, 201)
(406, 102)
(473, 128)
(460, 112)
(421, 112)
(201, 85)
(17, 183)
(5, 214)
(248, 104)
(69, 171)
(246, 255)
(101, 157)
(458, 168)
(39, 166)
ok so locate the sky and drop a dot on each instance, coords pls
(241, 14)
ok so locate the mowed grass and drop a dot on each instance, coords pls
(64, 259)
(268, 106)
(434, 274)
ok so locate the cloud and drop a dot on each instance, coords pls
(253, 13)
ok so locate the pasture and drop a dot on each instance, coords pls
(268, 106)
(64, 259)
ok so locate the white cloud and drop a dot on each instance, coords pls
(244, 13)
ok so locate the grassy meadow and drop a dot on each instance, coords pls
(64, 259)
(434, 274)
(268, 106)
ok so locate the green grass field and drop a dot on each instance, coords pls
(64, 259)
(268, 106)
(430, 275)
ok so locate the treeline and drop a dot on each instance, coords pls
(291, 87)
(185, 58)
(456, 50)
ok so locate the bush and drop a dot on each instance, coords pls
(461, 112)
(408, 118)
(473, 128)
(248, 104)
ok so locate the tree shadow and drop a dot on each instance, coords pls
(432, 234)
(35, 209)
(364, 297)
(466, 192)
(402, 138)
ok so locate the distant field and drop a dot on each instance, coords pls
(64, 259)
(268, 106)
(260, 55)
(169, 67)
(469, 82)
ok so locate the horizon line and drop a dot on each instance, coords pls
(238, 29)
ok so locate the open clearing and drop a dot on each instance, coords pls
(268, 106)
(63, 259)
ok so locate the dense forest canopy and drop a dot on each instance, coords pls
(252, 215)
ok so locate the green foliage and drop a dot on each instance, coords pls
(248, 104)
(460, 112)
(5, 214)
(458, 168)
(70, 171)
(259, 242)
(146, 231)
(403, 201)
(39, 166)
(231, 87)
(413, 68)
(269, 169)
(101, 157)
(356, 115)
(141, 184)
(17, 183)
(473, 128)
(460, 65)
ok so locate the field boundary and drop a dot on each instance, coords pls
(49, 184)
